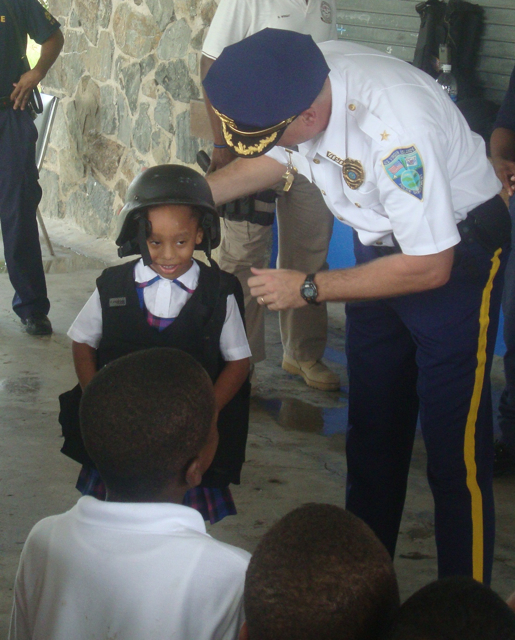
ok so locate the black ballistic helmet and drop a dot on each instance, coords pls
(165, 184)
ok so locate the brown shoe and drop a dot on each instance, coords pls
(315, 373)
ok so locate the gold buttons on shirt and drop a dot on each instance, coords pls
(352, 107)
(316, 161)
(357, 205)
(323, 192)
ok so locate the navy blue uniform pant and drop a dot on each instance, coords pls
(20, 194)
(507, 402)
(428, 353)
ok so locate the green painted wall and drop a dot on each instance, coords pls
(392, 26)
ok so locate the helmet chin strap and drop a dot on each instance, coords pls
(142, 241)
(206, 226)
(208, 248)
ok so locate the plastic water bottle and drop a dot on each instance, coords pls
(448, 82)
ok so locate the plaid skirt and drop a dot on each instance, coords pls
(212, 503)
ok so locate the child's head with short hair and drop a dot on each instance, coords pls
(148, 423)
(168, 207)
(320, 573)
(457, 608)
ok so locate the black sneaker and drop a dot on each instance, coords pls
(504, 460)
(37, 324)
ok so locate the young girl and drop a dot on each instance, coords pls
(166, 298)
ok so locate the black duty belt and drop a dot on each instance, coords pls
(489, 225)
(5, 103)
(257, 209)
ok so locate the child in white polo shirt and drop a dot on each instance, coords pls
(140, 565)
(168, 299)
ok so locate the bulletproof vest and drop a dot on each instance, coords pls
(197, 331)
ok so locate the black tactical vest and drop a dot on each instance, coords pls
(196, 330)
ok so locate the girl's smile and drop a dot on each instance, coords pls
(174, 234)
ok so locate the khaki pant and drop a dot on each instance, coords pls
(305, 226)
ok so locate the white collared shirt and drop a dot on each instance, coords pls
(238, 19)
(133, 571)
(381, 106)
(164, 299)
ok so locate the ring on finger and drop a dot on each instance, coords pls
(261, 300)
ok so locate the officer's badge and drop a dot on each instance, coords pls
(405, 167)
(353, 173)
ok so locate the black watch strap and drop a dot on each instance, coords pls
(309, 290)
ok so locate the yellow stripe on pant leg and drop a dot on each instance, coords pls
(470, 430)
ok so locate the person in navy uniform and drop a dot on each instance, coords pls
(20, 192)
(394, 159)
(502, 148)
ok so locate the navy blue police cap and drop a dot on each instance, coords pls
(259, 85)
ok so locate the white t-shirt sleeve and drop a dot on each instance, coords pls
(233, 339)
(29, 584)
(87, 327)
(232, 22)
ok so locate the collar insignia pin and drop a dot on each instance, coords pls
(385, 135)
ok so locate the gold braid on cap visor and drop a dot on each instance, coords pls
(229, 127)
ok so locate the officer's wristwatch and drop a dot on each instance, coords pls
(309, 289)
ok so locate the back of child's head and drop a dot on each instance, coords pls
(457, 608)
(320, 573)
(144, 418)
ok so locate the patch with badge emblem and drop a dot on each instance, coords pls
(405, 168)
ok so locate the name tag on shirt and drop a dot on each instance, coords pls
(117, 302)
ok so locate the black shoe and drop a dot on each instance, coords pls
(37, 324)
(504, 460)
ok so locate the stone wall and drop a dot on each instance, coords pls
(125, 78)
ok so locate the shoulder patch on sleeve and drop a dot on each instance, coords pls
(405, 168)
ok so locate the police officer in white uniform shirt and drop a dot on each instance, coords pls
(395, 160)
(246, 242)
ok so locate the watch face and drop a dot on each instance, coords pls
(309, 290)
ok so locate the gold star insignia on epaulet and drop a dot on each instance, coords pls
(385, 135)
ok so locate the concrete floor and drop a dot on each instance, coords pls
(295, 451)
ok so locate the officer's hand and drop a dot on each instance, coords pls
(24, 87)
(505, 170)
(278, 289)
(219, 159)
